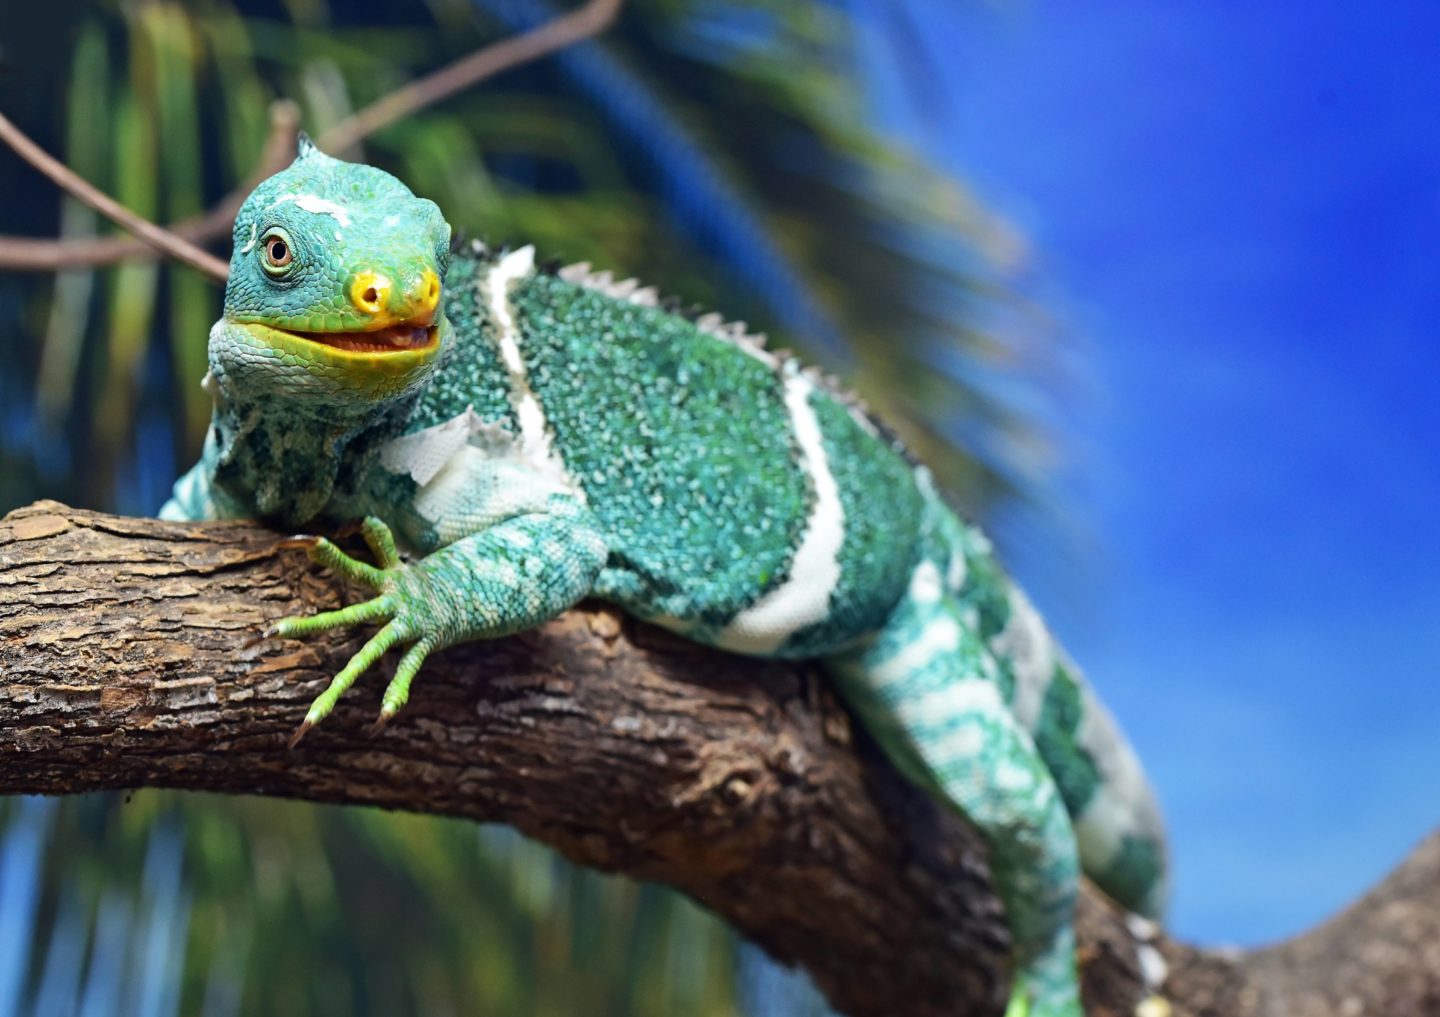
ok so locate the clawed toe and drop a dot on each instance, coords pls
(389, 607)
(304, 540)
(299, 733)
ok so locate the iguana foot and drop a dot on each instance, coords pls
(507, 578)
(1026, 1000)
(400, 595)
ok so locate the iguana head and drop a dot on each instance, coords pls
(335, 284)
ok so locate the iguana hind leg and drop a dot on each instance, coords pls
(1117, 821)
(925, 688)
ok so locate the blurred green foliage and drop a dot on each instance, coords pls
(292, 909)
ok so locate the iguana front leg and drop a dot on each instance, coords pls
(509, 577)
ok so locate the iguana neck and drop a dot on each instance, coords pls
(290, 462)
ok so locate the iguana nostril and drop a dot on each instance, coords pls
(425, 291)
(370, 292)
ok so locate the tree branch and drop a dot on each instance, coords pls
(32, 254)
(180, 240)
(127, 659)
(162, 240)
(585, 21)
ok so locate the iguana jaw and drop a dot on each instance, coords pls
(390, 351)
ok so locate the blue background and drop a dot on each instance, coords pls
(1235, 210)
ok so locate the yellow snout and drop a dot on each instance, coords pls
(376, 296)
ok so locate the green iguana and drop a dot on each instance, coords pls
(535, 437)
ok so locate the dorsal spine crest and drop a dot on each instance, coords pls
(711, 323)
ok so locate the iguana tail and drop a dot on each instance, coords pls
(1117, 822)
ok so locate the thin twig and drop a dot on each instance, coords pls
(161, 239)
(34, 254)
(566, 30)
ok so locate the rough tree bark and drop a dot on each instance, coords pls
(128, 658)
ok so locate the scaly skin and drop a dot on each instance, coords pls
(536, 438)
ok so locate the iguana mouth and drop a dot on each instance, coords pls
(393, 339)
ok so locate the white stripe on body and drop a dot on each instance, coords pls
(1025, 642)
(941, 635)
(804, 597)
(968, 695)
(974, 696)
(925, 583)
(536, 442)
(956, 571)
(1122, 803)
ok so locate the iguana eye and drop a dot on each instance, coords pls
(277, 255)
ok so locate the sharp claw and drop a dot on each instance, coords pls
(380, 722)
(298, 540)
(299, 733)
(255, 641)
